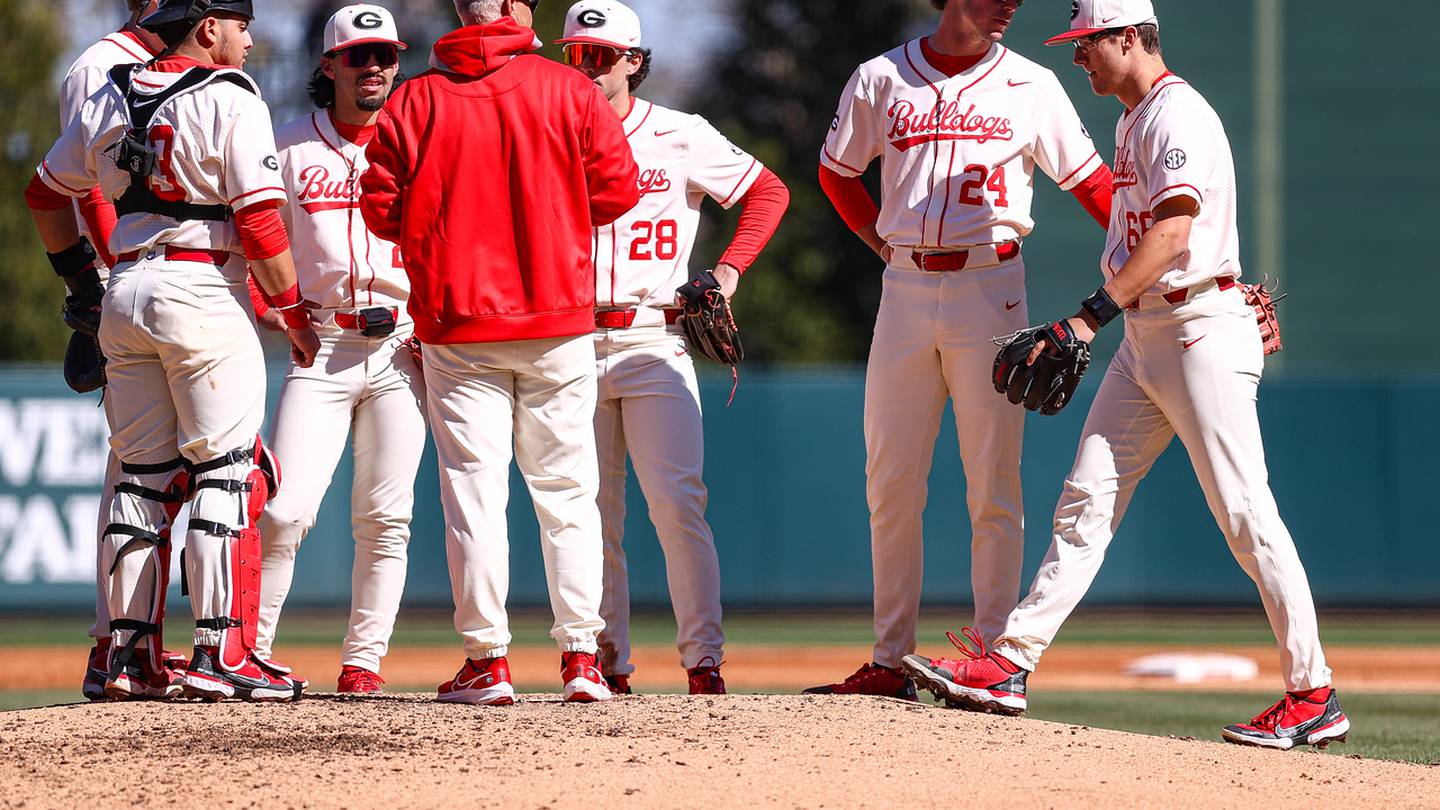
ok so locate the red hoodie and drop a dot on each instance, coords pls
(490, 175)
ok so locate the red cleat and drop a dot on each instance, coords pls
(705, 679)
(480, 683)
(618, 684)
(583, 681)
(981, 681)
(358, 680)
(871, 679)
(1300, 718)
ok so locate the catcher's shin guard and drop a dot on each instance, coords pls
(222, 560)
(135, 551)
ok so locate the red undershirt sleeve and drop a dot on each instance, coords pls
(760, 211)
(262, 231)
(1094, 193)
(99, 216)
(850, 198)
(40, 197)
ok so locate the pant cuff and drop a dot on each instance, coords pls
(480, 653)
(1016, 655)
(580, 646)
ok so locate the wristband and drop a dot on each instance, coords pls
(1101, 307)
(74, 259)
(296, 317)
(285, 300)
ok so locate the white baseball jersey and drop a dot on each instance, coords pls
(641, 258)
(1173, 144)
(958, 153)
(88, 74)
(215, 147)
(340, 263)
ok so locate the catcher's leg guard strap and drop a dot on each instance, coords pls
(223, 552)
(135, 550)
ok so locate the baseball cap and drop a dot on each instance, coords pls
(1093, 16)
(190, 12)
(360, 24)
(601, 22)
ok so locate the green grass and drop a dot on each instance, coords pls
(422, 628)
(1383, 726)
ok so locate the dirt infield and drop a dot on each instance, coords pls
(777, 668)
(407, 751)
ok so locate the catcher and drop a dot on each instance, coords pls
(648, 392)
(1189, 366)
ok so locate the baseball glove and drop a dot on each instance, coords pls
(1048, 384)
(84, 364)
(1263, 299)
(708, 322)
(82, 310)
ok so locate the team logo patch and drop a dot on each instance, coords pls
(271, 163)
(1174, 159)
(591, 18)
(1074, 9)
(368, 21)
(835, 123)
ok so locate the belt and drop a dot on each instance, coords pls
(175, 253)
(351, 320)
(953, 260)
(625, 318)
(1175, 297)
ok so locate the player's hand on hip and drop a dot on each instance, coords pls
(304, 345)
(729, 278)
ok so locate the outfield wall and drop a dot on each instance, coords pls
(1352, 463)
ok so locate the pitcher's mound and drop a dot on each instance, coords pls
(401, 751)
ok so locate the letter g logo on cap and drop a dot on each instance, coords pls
(1074, 9)
(591, 18)
(368, 21)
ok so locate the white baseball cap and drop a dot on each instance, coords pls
(360, 24)
(1093, 16)
(601, 22)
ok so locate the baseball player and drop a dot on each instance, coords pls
(365, 378)
(96, 219)
(1189, 366)
(183, 147)
(503, 298)
(648, 394)
(960, 123)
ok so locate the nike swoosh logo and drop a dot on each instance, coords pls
(1014, 83)
(1187, 344)
(1112, 19)
(473, 682)
(660, 134)
(1009, 305)
(145, 102)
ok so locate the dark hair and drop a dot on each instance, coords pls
(638, 77)
(322, 88)
(938, 4)
(135, 5)
(1149, 37)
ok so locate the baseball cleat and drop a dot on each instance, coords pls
(205, 680)
(1300, 718)
(618, 684)
(981, 681)
(97, 664)
(137, 681)
(358, 680)
(871, 679)
(705, 679)
(583, 681)
(279, 671)
(483, 682)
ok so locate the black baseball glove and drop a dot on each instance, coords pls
(84, 364)
(1047, 384)
(708, 322)
(82, 309)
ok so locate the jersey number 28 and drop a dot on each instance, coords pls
(665, 236)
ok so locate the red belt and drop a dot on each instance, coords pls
(174, 253)
(1222, 283)
(625, 318)
(351, 320)
(956, 260)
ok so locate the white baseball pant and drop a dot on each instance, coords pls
(1193, 371)
(537, 399)
(933, 339)
(649, 406)
(374, 386)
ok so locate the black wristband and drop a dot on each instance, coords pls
(74, 259)
(1101, 307)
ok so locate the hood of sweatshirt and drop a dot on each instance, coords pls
(477, 50)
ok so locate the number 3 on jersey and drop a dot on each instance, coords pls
(665, 236)
(983, 178)
(162, 179)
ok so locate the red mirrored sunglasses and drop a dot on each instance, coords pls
(603, 56)
(358, 56)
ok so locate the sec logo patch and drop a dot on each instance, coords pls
(1174, 159)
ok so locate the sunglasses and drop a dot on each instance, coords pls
(601, 56)
(358, 56)
(1087, 44)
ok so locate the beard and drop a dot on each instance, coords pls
(370, 103)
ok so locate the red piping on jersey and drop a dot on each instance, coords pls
(1077, 169)
(351, 181)
(144, 55)
(837, 162)
(614, 256)
(53, 179)
(643, 119)
(741, 182)
(917, 70)
(256, 191)
(151, 85)
(1177, 185)
(945, 209)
